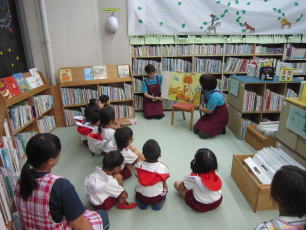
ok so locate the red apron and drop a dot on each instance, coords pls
(153, 108)
(215, 122)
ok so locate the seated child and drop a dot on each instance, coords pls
(104, 187)
(104, 101)
(152, 175)
(124, 138)
(202, 188)
(85, 125)
(288, 189)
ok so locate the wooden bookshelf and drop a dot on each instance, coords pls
(79, 82)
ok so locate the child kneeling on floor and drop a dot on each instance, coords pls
(152, 175)
(202, 188)
(104, 187)
(124, 139)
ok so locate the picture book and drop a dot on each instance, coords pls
(184, 87)
(21, 82)
(4, 91)
(123, 70)
(65, 75)
(32, 82)
(88, 74)
(11, 84)
(99, 72)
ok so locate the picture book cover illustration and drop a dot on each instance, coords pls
(4, 90)
(11, 84)
(23, 86)
(88, 74)
(123, 70)
(184, 87)
(65, 75)
(99, 72)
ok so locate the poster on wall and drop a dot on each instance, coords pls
(170, 17)
(183, 87)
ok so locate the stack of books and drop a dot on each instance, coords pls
(208, 65)
(21, 140)
(238, 49)
(252, 102)
(272, 101)
(70, 114)
(291, 93)
(137, 85)
(71, 96)
(138, 102)
(139, 51)
(20, 115)
(173, 50)
(208, 49)
(139, 65)
(127, 90)
(236, 64)
(268, 50)
(46, 124)
(268, 128)
(176, 64)
(295, 52)
(43, 103)
(267, 161)
(245, 123)
(167, 104)
(116, 93)
(122, 111)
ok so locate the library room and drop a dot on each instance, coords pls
(152, 114)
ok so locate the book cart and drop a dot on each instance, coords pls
(93, 89)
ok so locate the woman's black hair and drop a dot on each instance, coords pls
(288, 189)
(208, 81)
(107, 115)
(123, 136)
(92, 112)
(150, 68)
(151, 151)
(39, 150)
(104, 98)
(204, 161)
(112, 160)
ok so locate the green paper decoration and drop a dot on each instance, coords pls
(179, 3)
(229, 3)
(183, 25)
(296, 3)
(205, 23)
(218, 2)
(139, 8)
(237, 13)
(248, 3)
(201, 27)
(140, 21)
(161, 23)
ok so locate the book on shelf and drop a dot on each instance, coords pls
(260, 49)
(65, 75)
(42, 103)
(21, 140)
(263, 62)
(291, 93)
(35, 76)
(4, 206)
(272, 101)
(173, 50)
(237, 49)
(116, 93)
(21, 82)
(252, 102)
(123, 70)
(8, 143)
(138, 103)
(139, 51)
(20, 115)
(99, 72)
(4, 90)
(236, 64)
(140, 64)
(2, 223)
(137, 85)
(88, 74)
(208, 49)
(12, 85)
(245, 123)
(46, 124)
(176, 64)
(295, 52)
(72, 96)
(127, 91)
(70, 114)
(208, 65)
(122, 111)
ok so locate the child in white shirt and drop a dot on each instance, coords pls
(202, 188)
(152, 175)
(104, 187)
(124, 139)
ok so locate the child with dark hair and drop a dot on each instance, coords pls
(152, 176)
(202, 188)
(151, 89)
(124, 139)
(215, 112)
(288, 189)
(104, 101)
(47, 201)
(104, 187)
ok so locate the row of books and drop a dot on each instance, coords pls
(72, 96)
(245, 123)
(208, 65)
(238, 49)
(225, 83)
(176, 64)
(137, 85)
(21, 140)
(208, 49)
(70, 114)
(20, 115)
(138, 102)
(236, 64)
(267, 161)
(271, 62)
(140, 64)
(42, 103)
(172, 50)
(139, 51)
(46, 124)
(252, 102)
(117, 93)
(122, 111)
(94, 73)
(272, 101)
(295, 52)
(269, 50)
(291, 93)
(17, 83)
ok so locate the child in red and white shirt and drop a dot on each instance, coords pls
(104, 187)
(152, 175)
(124, 139)
(202, 188)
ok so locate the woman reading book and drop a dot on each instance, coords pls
(215, 112)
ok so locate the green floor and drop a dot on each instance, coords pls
(178, 146)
